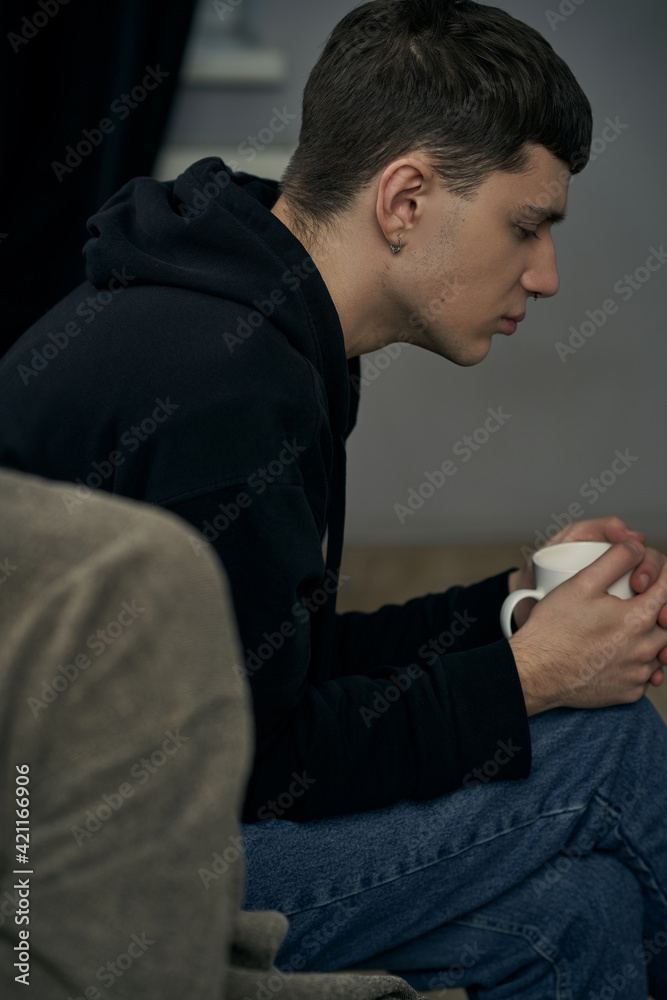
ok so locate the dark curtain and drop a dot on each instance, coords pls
(64, 69)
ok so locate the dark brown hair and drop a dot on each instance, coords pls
(466, 83)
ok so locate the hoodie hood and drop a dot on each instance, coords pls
(211, 230)
(173, 232)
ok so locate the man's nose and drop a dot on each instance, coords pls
(542, 276)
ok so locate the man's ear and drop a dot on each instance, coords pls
(402, 191)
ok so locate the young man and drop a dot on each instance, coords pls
(209, 365)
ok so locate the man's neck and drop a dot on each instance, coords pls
(354, 289)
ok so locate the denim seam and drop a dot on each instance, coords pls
(536, 940)
(631, 847)
(430, 864)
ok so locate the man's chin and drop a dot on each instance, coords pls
(469, 362)
(468, 356)
(458, 350)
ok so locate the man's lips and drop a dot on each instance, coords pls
(508, 324)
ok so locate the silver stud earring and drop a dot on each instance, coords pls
(398, 248)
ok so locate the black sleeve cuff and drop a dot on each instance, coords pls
(480, 604)
(491, 719)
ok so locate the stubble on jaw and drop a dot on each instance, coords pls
(444, 284)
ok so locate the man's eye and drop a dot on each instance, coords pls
(525, 233)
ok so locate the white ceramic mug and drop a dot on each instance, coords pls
(553, 565)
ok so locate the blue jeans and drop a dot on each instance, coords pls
(552, 887)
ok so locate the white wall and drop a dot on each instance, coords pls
(567, 420)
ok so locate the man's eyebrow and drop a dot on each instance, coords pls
(542, 213)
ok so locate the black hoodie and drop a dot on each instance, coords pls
(202, 367)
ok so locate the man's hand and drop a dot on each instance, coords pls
(602, 529)
(583, 648)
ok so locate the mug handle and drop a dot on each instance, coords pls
(509, 605)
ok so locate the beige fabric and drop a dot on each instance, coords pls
(117, 688)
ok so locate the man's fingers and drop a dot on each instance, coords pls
(598, 529)
(656, 594)
(616, 530)
(657, 644)
(611, 566)
(648, 571)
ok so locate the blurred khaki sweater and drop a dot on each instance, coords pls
(125, 744)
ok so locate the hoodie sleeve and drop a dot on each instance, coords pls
(421, 629)
(381, 729)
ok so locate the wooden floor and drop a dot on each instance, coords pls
(392, 576)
